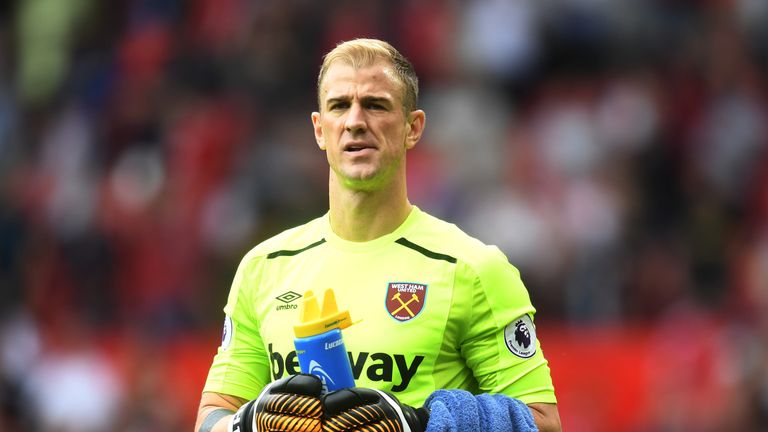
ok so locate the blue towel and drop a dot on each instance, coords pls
(460, 410)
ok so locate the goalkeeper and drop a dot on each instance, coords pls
(446, 340)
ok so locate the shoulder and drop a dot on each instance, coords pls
(447, 238)
(294, 239)
(250, 270)
(482, 267)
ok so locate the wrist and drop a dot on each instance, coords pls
(242, 420)
(215, 420)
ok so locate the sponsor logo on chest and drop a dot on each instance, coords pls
(375, 366)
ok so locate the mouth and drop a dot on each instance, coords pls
(358, 147)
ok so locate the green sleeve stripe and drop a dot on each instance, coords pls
(424, 251)
(279, 253)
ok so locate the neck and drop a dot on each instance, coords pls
(359, 215)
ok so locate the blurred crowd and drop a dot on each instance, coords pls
(617, 152)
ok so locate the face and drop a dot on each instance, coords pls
(362, 126)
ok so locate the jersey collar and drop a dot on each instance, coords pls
(374, 244)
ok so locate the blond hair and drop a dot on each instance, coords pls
(365, 52)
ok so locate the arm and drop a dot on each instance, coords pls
(214, 403)
(240, 366)
(546, 417)
(289, 404)
(500, 344)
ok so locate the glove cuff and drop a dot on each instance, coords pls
(418, 418)
(242, 421)
(412, 419)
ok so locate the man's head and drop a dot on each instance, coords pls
(365, 52)
(367, 118)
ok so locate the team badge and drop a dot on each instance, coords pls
(405, 300)
(520, 337)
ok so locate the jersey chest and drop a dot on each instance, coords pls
(400, 305)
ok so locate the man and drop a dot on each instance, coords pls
(437, 308)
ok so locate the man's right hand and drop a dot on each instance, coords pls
(289, 404)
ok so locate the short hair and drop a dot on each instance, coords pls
(365, 52)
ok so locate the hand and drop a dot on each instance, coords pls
(291, 404)
(362, 409)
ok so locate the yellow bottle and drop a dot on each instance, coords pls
(319, 345)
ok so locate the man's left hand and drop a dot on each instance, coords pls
(364, 409)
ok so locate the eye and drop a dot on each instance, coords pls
(376, 106)
(338, 106)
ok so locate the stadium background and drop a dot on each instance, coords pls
(616, 151)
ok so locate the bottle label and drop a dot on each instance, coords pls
(326, 357)
(334, 344)
(316, 369)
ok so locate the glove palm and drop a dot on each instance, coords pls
(296, 404)
(291, 404)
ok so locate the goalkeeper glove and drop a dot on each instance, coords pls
(363, 410)
(289, 404)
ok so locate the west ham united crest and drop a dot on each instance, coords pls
(405, 299)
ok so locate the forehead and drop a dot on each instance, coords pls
(379, 78)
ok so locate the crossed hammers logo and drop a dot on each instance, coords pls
(404, 305)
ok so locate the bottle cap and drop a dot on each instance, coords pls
(315, 319)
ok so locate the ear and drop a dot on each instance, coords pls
(416, 121)
(318, 130)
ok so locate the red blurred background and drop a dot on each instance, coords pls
(617, 152)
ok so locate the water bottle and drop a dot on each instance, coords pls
(319, 345)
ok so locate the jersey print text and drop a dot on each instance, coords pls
(377, 366)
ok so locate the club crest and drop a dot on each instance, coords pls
(405, 300)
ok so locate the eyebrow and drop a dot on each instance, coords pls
(364, 99)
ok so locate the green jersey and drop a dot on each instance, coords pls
(433, 308)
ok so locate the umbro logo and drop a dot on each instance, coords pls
(287, 297)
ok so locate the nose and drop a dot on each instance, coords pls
(355, 121)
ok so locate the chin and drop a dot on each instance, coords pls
(362, 182)
(360, 175)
